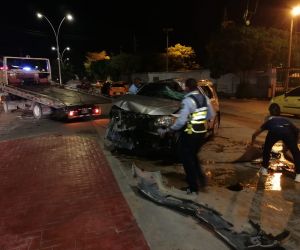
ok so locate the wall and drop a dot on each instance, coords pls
(256, 84)
(226, 84)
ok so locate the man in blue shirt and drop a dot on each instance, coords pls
(134, 87)
(279, 129)
(192, 123)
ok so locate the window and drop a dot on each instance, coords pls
(27, 64)
(294, 92)
(207, 91)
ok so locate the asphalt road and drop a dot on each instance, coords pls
(241, 113)
(167, 230)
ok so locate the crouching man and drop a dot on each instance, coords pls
(279, 129)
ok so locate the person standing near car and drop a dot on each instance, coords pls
(279, 129)
(134, 87)
(192, 124)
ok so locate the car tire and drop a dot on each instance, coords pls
(5, 107)
(37, 111)
(274, 109)
(216, 125)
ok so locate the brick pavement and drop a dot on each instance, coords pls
(58, 192)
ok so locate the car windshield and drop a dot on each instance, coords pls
(162, 90)
(27, 64)
(118, 85)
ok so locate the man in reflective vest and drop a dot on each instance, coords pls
(192, 122)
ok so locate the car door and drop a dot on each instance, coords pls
(211, 94)
(291, 102)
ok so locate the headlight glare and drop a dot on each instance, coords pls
(164, 121)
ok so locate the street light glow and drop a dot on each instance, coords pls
(56, 34)
(296, 11)
(69, 17)
(68, 48)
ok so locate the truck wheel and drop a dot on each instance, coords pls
(37, 111)
(5, 107)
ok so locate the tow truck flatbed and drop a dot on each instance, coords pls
(55, 96)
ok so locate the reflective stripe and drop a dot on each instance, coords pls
(197, 121)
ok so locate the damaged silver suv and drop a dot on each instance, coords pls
(136, 118)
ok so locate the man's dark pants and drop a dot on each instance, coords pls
(189, 146)
(289, 139)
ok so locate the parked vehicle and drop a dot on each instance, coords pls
(114, 89)
(26, 83)
(288, 103)
(136, 118)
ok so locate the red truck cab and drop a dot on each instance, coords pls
(24, 70)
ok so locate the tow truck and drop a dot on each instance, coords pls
(26, 83)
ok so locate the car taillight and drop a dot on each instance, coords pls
(97, 111)
(3, 68)
(71, 113)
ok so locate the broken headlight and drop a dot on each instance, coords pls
(164, 121)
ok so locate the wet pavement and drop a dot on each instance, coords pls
(235, 189)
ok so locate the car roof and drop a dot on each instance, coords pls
(181, 81)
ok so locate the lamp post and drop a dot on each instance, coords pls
(167, 30)
(56, 34)
(295, 12)
(62, 54)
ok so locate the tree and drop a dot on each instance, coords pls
(240, 49)
(97, 64)
(124, 64)
(182, 57)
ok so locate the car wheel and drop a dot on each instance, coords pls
(5, 107)
(216, 125)
(37, 111)
(274, 109)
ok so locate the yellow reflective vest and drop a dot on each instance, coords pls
(197, 121)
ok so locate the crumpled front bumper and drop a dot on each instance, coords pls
(131, 130)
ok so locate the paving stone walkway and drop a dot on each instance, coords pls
(58, 192)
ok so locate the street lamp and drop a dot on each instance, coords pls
(69, 17)
(62, 54)
(167, 30)
(295, 12)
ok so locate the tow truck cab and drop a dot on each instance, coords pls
(24, 70)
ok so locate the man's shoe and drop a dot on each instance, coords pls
(264, 171)
(297, 178)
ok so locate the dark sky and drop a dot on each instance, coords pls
(111, 25)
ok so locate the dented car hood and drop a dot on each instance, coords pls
(147, 105)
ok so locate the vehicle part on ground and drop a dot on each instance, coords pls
(251, 153)
(152, 188)
(274, 109)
